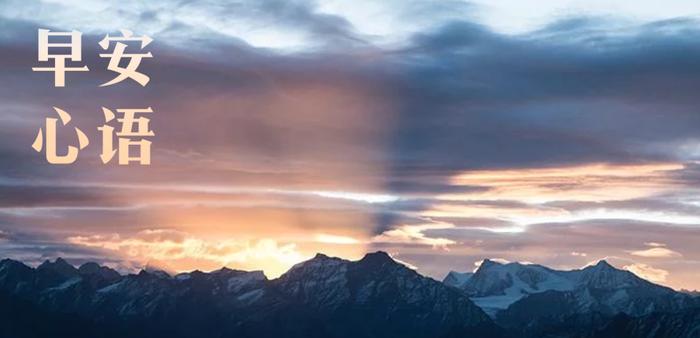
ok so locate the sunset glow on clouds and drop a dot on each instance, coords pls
(177, 248)
(647, 272)
(586, 183)
(441, 132)
(656, 250)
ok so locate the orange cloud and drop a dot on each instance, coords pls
(588, 183)
(521, 195)
(183, 252)
(647, 272)
(656, 250)
(414, 234)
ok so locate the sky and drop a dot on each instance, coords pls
(553, 132)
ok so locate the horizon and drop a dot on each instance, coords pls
(172, 274)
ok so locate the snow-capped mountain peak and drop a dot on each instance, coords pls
(494, 285)
(325, 297)
(605, 276)
(601, 287)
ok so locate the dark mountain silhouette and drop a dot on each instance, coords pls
(322, 297)
(333, 297)
(684, 323)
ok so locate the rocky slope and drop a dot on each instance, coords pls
(323, 297)
(542, 302)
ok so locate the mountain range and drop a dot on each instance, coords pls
(501, 288)
(539, 301)
(332, 297)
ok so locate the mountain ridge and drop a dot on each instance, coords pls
(325, 296)
(541, 301)
(322, 297)
(495, 286)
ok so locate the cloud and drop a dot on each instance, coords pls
(511, 200)
(415, 234)
(657, 250)
(654, 244)
(35, 247)
(590, 182)
(183, 251)
(526, 146)
(267, 23)
(552, 244)
(648, 272)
